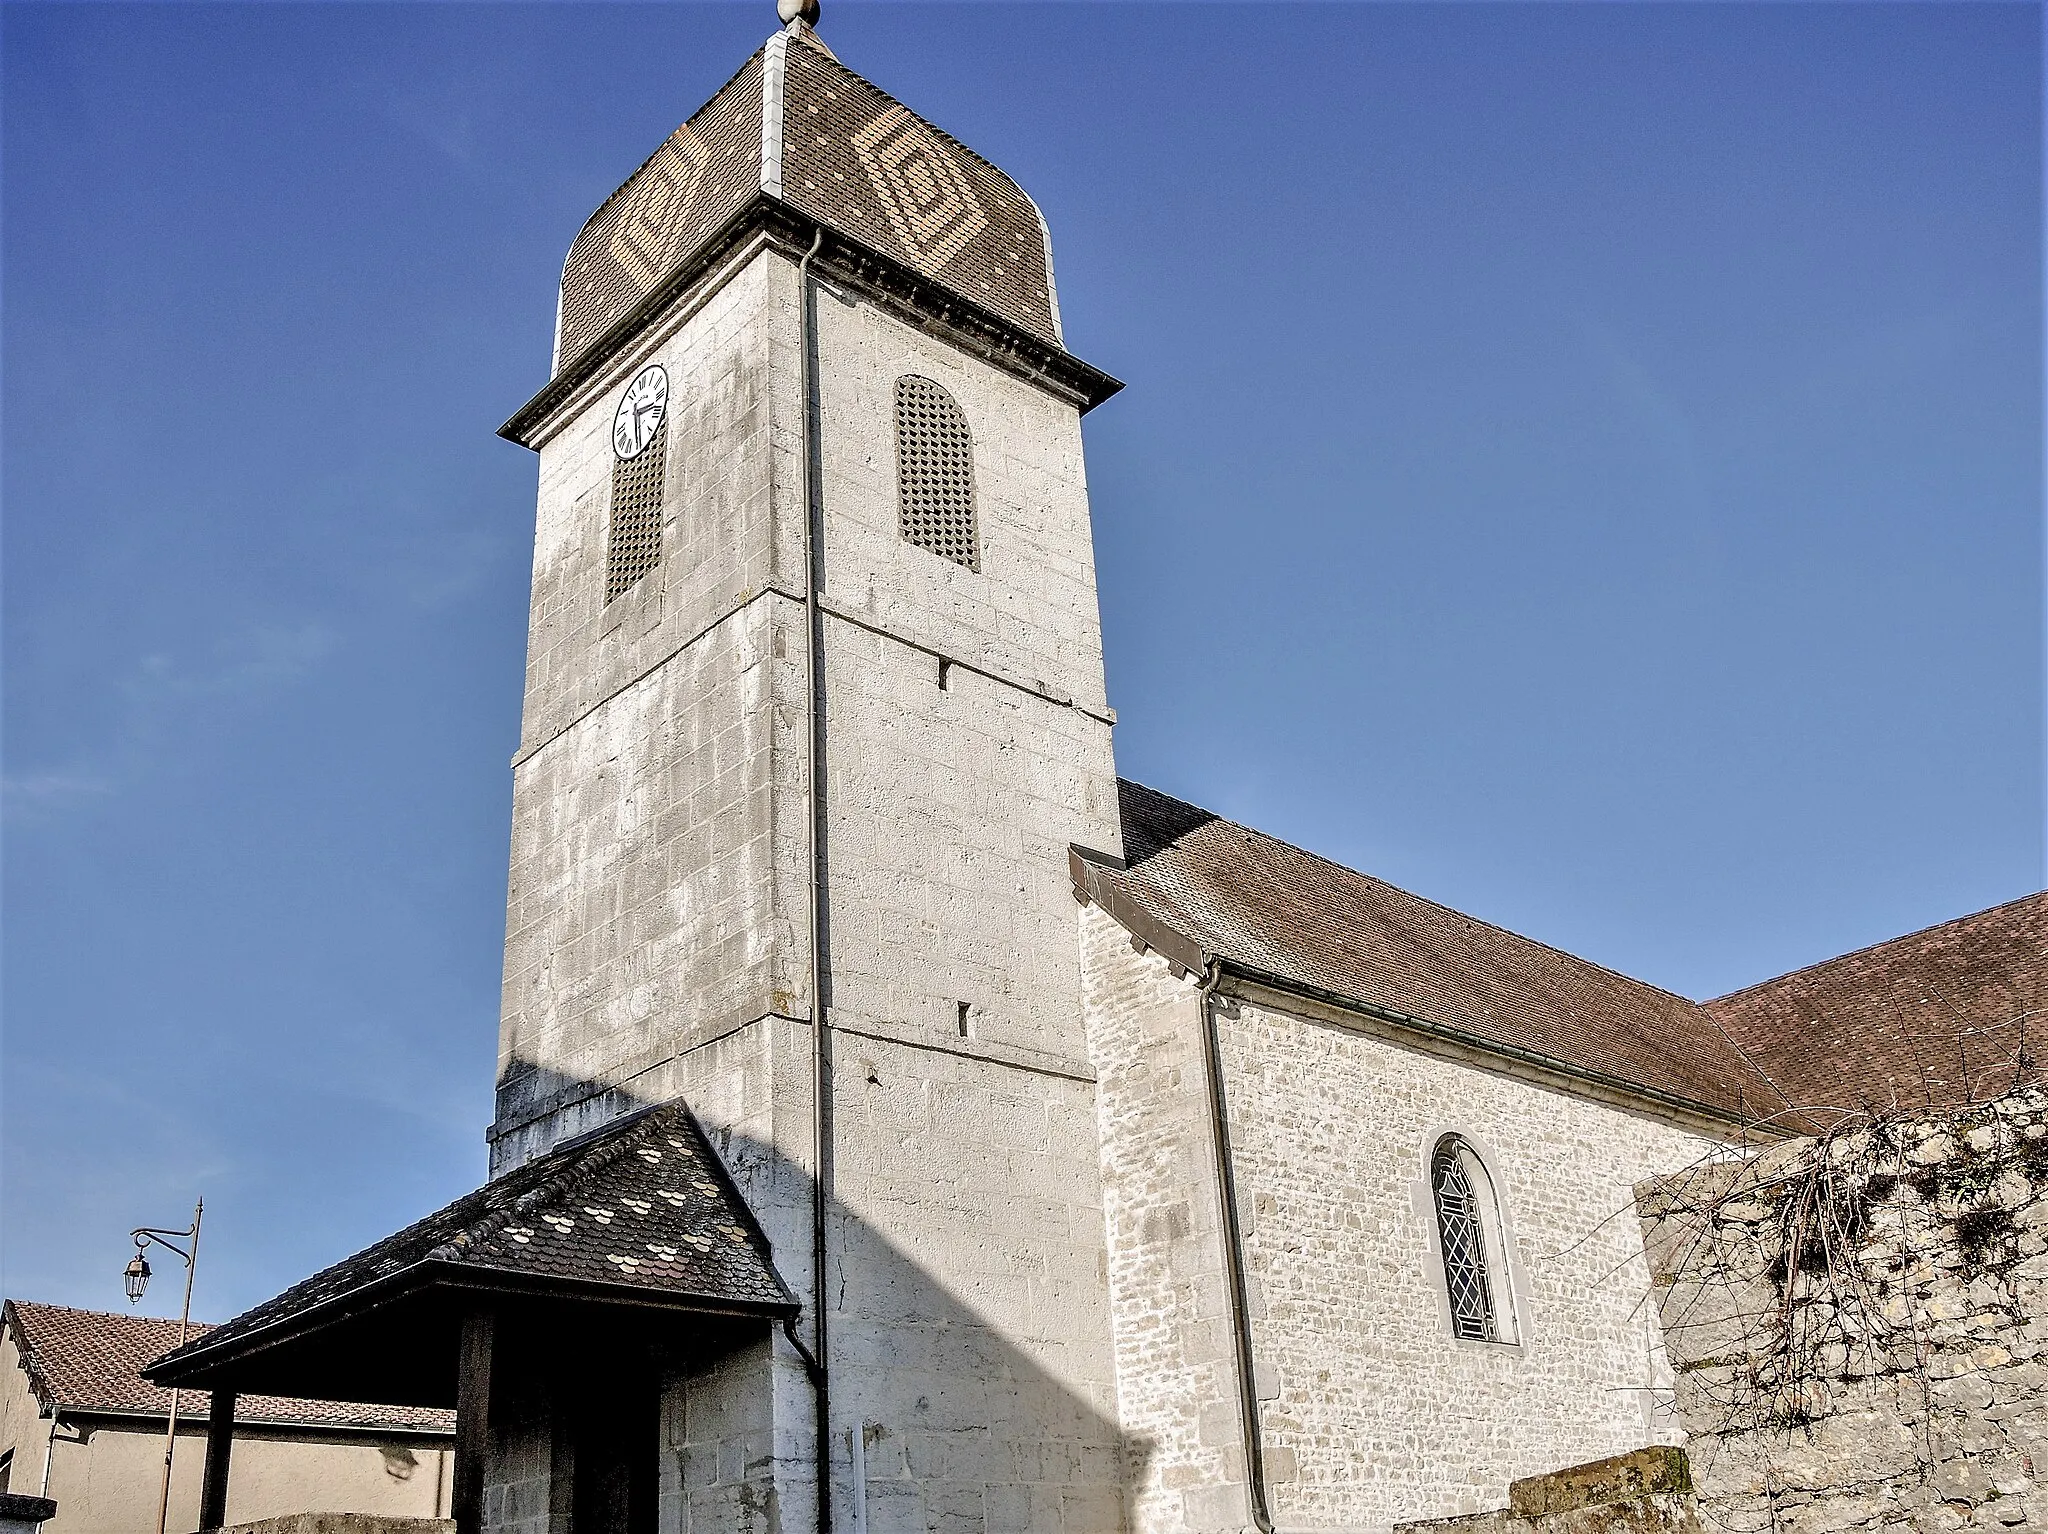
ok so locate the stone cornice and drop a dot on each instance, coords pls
(890, 284)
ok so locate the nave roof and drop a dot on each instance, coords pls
(1199, 888)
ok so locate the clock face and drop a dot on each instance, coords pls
(641, 410)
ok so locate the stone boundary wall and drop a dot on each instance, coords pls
(1647, 1491)
(1859, 1324)
(342, 1523)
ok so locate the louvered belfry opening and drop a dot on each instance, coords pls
(634, 545)
(935, 472)
(1464, 1242)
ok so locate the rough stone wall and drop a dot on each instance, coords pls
(1859, 1324)
(1371, 1411)
(1175, 1374)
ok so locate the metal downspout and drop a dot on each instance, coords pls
(1233, 1256)
(821, 1056)
(50, 1447)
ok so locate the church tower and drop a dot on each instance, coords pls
(814, 710)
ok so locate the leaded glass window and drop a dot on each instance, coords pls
(1461, 1222)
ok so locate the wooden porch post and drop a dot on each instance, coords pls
(472, 1423)
(220, 1443)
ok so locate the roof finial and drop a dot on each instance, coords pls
(790, 11)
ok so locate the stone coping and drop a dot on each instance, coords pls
(342, 1523)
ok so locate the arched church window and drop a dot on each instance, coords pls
(639, 469)
(1475, 1261)
(935, 472)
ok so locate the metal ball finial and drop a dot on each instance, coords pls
(795, 10)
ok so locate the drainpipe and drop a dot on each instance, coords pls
(821, 1055)
(1233, 1256)
(49, 1449)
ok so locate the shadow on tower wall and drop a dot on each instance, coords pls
(972, 1379)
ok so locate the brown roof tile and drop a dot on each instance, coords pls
(90, 1360)
(1271, 908)
(1937, 1018)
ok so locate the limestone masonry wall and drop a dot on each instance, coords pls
(1371, 1411)
(659, 916)
(653, 863)
(1858, 1324)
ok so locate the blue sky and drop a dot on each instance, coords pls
(1580, 463)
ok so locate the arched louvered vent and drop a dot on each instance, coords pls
(634, 545)
(935, 472)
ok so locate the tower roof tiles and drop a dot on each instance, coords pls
(795, 125)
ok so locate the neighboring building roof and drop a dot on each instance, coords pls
(1937, 1018)
(91, 1360)
(1273, 910)
(641, 1207)
(798, 126)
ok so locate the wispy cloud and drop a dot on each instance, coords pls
(257, 660)
(160, 693)
(34, 793)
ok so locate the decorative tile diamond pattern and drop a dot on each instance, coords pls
(633, 543)
(853, 158)
(704, 173)
(859, 160)
(1464, 1243)
(935, 472)
(926, 195)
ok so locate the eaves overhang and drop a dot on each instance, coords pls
(197, 1363)
(1192, 959)
(891, 284)
(297, 1427)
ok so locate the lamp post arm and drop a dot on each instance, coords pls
(143, 1234)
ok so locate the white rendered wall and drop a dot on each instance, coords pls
(1371, 1412)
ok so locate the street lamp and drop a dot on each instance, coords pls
(135, 1278)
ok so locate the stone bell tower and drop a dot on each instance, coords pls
(814, 704)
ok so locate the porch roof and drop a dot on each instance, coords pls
(638, 1219)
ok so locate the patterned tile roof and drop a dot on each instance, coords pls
(1271, 908)
(1937, 1018)
(89, 1360)
(796, 125)
(643, 1204)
